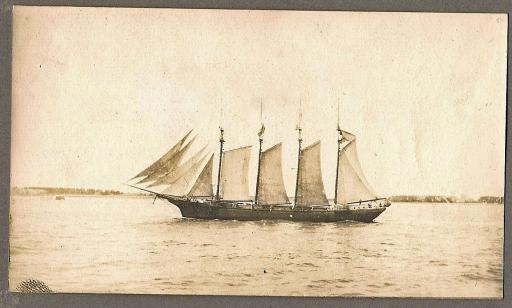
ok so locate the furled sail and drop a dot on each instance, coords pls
(169, 166)
(179, 171)
(203, 187)
(310, 188)
(352, 184)
(271, 185)
(234, 174)
(181, 185)
(166, 157)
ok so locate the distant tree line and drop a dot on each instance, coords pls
(445, 199)
(491, 199)
(62, 191)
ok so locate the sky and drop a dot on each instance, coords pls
(100, 93)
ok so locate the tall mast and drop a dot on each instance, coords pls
(221, 140)
(299, 129)
(340, 140)
(260, 135)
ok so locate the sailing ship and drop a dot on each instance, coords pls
(189, 184)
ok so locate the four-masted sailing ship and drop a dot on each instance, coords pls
(189, 184)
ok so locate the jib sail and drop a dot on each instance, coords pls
(169, 156)
(203, 187)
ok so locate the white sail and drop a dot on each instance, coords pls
(271, 185)
(310, 190)
(352, 184)
(166, 157)
(178, 171)
(181, 184)
(203, 186)
(234, 174)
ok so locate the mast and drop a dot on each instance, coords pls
(221, 140)
(299, 128)
(340, 140)
(260, 135)
(259, 170)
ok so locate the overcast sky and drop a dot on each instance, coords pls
(100, 93)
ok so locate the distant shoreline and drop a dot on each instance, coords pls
(132, 196)
(446, 199)
(80, 192)
(70, 192)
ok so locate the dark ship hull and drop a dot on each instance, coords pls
(247, 212)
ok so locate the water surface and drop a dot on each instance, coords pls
(129, 245)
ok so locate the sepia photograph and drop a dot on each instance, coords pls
(257, 152)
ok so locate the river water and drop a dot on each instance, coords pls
(130, 245)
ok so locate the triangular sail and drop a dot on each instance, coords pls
(310, 190)
(271, 186)
(179, 171)
(168, 166)
(167, 156)
(352, 184)
(234, 174)
(181, 185)
(203, 187)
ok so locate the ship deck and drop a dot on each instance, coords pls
(247, 211)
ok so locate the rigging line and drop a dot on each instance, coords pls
(150, 191)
